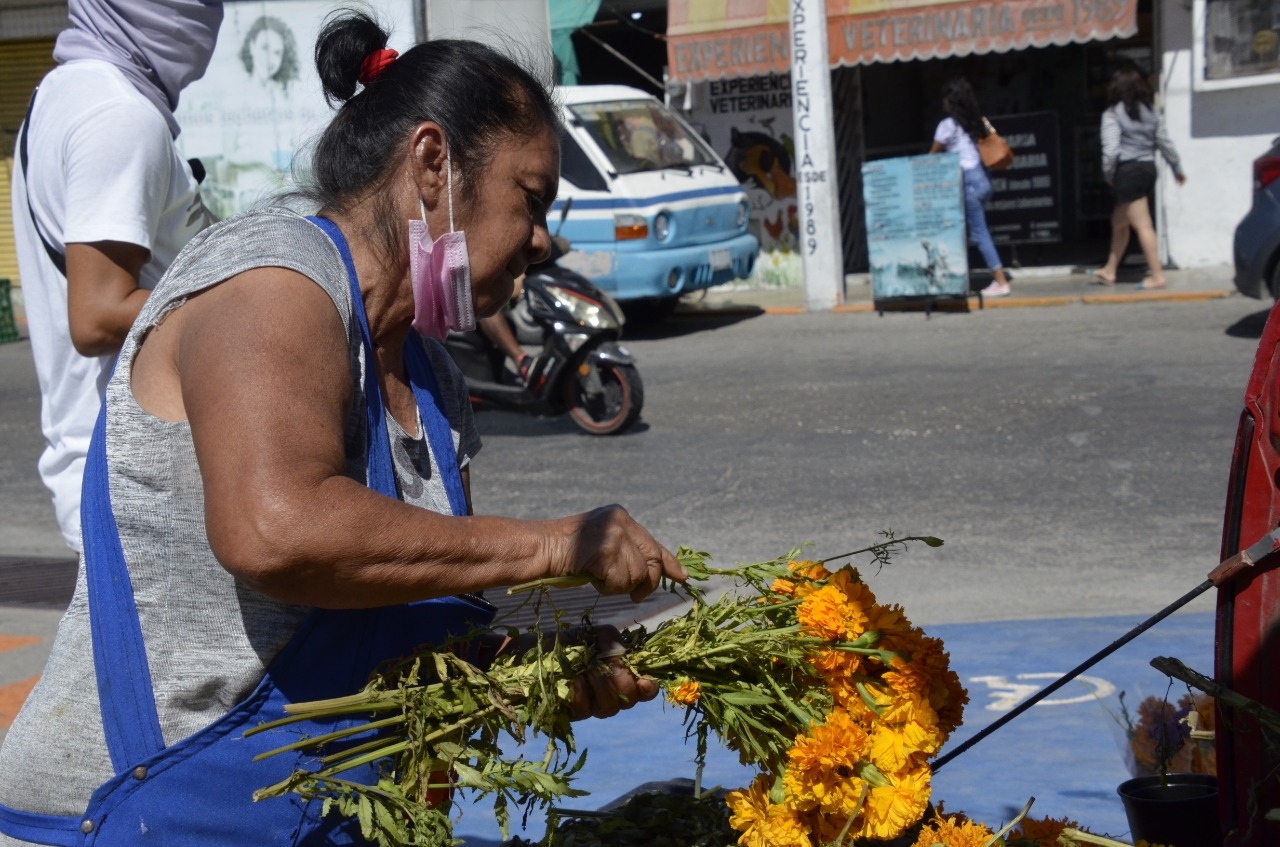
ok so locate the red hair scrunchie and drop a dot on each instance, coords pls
(372, 66)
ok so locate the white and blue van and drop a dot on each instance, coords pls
(655, 213)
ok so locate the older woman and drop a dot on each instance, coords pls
(277, 498)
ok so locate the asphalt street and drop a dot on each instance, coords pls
(1074, 459)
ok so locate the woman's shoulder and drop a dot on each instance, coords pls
(271, 237)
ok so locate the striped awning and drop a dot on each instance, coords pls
(712, 39)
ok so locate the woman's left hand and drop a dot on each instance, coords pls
(605, 689)
(609, 686)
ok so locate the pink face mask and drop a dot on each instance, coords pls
(440, 272)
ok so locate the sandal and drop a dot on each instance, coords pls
(1146, 285)
(1099, 279)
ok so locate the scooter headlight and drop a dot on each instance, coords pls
(662, 226)
(586, 311)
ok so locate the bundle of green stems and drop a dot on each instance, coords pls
(436, 722)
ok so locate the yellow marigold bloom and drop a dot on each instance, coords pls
(823, 764)
(892, 808)
(909, 677)
(888, 620)
(686, 693)
(948, 698)
(762, 823)
(953, 831)
(748, 808)
(824, 613)
(895, 748)
(806, 573)
(1042, 833)
(836, 664)
(904, 708)
(781, 828)
(859, 601)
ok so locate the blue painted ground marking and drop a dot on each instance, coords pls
(1068, 756)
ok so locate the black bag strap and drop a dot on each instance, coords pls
(58, 259)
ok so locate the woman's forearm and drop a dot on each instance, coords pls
(342, 545)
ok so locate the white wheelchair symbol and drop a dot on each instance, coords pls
(1005, 694)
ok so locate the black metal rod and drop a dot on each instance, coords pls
(1076, 671)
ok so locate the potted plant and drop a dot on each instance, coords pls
(1172, 797)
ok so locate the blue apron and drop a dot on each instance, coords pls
(199, 791)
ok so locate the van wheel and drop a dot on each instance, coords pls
(604, 398)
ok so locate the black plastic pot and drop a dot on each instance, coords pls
(1180, 809)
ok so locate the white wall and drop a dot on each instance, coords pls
(1218, 135)
(511, 26)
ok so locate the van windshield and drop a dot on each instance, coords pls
(640, 135)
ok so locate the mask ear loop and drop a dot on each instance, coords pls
(448, 163)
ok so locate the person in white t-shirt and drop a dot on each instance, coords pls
(957, 133)
(102, 204)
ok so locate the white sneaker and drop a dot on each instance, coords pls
(996, 289)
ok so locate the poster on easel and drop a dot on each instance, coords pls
(915, 227)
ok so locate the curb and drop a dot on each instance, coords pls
(988, 303)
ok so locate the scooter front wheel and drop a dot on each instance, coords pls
(603, 397)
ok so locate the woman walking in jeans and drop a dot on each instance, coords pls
(958, 133)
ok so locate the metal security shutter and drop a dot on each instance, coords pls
(22, 65)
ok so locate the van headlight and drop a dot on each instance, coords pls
(742, 213)
(662, 226)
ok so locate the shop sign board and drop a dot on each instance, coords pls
(1026, 199)
(915, 227)
(748, 121)
(749, 37)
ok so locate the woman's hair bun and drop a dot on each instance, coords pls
(346, 37)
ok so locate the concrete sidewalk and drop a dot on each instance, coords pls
(1031, 287)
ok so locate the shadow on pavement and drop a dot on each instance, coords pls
(500, 422)
(1250, 326)
(37, 582)
(690, 321)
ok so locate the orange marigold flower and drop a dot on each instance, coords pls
(836, 664)
(823, 764)
(686, 693)
(783, 827)
(749, 807)
(888, 620)
(1043, 832)
(806, 575)
(892, 808)
(908, 677)
(824, 613)
(953, 831)
(895, 748)
(763, 823)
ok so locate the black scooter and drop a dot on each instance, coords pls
(581, 369)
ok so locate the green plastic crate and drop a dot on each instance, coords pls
(8, 327)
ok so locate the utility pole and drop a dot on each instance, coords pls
(816, 184)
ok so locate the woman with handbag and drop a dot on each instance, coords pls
(962, 132)
(1131, 134)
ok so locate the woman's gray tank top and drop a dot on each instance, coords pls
(208, 637)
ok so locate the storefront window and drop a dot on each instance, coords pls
(1238, 42)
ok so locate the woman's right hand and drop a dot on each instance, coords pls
(619, 555)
